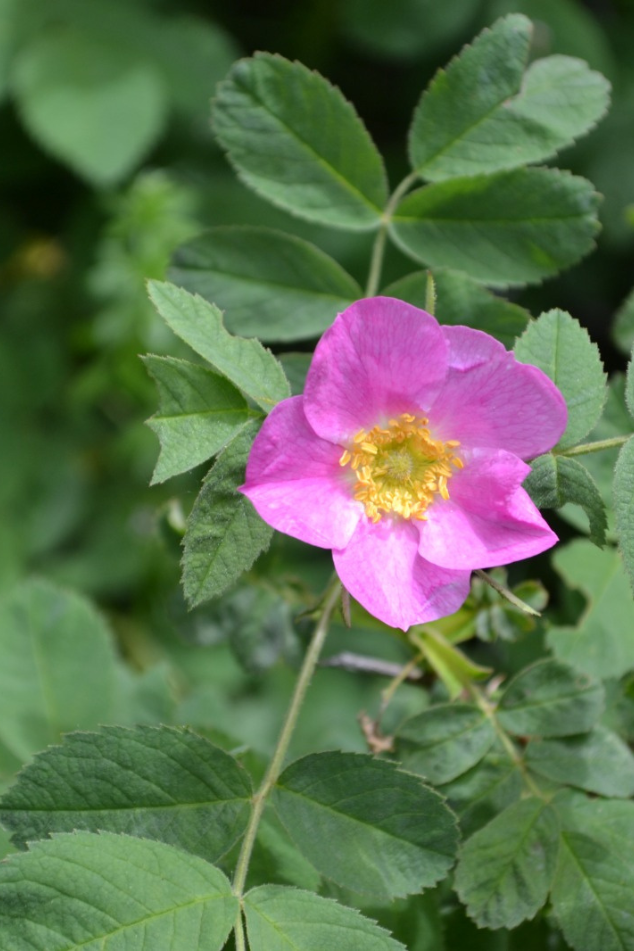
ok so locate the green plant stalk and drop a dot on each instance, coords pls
(587, 447)
(509, 747)
(275, 766)
(512, 598)
(378, 251)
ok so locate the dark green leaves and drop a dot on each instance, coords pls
(199, 413)
(224, 532)
(156, 783)
(556, 480)
(445, 741)
(271, 285)
(246, 363)
(85, 890)
(550, 699)
(505, 870)
(509, 228)
(287, 919)
(295, 140)
(597, 761)
(393, 835)
(484, 113)
(592, 892)
(561, 347)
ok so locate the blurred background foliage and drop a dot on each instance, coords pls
(108, 164)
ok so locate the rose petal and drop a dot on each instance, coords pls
(295, 482)
(490, 400)
(489, 519)
(381, 357)
(382, 569)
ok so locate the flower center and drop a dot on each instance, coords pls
(400, 468)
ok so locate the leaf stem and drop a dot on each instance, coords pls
(378, 250)
(509, 747)
(275, 766)
(526, 608)
(597, 446)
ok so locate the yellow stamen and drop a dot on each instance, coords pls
(400, 468)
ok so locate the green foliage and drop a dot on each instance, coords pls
(76, 890)
(461, 300)
(158, 783)
(624, 498)
(407, 30)
(558, 345)
(505, 870)
(509, 228)
(592, 891)
(57, 667)
(295, 140)
(224, 532)
(623, 326)
(465, 126)
(75, 88)
(279, 919)
(597, 761)
(445, 741)
(271, 285)
(602, 642)
(550, 699)
(199, 413)
(245, 363)
(481, 793)
(394, 835)
(556, 480)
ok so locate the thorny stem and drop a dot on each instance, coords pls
(506, 593)
(378, 251)
(275, 766)
(597, 446)
(509, 747)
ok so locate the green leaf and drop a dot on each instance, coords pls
(598, 761)
(629, 387)
(461, 300)
(506, 868)
(95, 891)
(510, 228)
(199, 413)
(394, 835)
(246, 363)
(224, 532)
(454, 668)
(556, 480)
(485, 790)
(296, 141)
(602, 643)
(550, 699)
(287, 919)
(93, 103)
(296, 366)
(561, 347)
(444, 741)
(276, 858)
(485, 113)
(623, 325)
(154, 782)
(624, 505)
(594, 883)
(57, 667)
(272, 285)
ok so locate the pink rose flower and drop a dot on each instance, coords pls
(405, 457)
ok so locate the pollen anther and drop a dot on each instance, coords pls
(400, 468)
